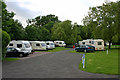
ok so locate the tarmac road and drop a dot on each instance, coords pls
(52, 65)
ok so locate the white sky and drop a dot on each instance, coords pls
(74, 10)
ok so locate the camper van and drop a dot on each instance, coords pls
(50, 44)
(38, 45)
(59, 43)
(19, 47)
(97, 43)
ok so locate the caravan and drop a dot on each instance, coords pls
(98, 43)
(85, 42)
(19, 47)
(38, 45)
(50, 44)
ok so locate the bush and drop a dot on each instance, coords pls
(5, 40)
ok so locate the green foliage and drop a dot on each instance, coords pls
(102, 21)
(5, 40)
(40, 27)
(13, 27)
(33, 33)
(65, 31)
(43, 20)
(37, 33)
(45, 36)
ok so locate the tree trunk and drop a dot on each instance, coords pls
(110, 44)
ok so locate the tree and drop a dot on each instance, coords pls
(42, 20)
(5, 40)
(33, 33)
(13, 27)
(102, 21)
(45, 36)
(65, 31)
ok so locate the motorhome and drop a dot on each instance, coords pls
(22, 47)
(38, 45)
(59, 43)
(97, 43)
(50, 44)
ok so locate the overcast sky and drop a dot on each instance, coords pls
(74, 10)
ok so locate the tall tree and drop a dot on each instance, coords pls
(42, 20)
(102, 21)
(65, 31)
(11, 26)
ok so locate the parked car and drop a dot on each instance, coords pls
(15, 52)
(85, 48)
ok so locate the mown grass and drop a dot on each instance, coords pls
(56, 49)
(113, 46)
(10, 59)
(101, 62)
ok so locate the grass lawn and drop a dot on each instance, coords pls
(56, 49)
(10, 59)
(114, 46)
(100, 62)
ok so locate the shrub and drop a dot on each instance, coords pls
(5, 40)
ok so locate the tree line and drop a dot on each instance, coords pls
(101, 22)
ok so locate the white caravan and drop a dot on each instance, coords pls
(85, 42)
(22, 47)
(50, 44)
(38, 45)
(60, 43)
(97, 43)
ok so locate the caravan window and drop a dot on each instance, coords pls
(99, 43)
(52, 44)
(60, 42)
(42, 44)
(47, 43)
(89, 41)
(83, 42)
(19, 45)
(37, 44)
(11, 44)
(92, 42)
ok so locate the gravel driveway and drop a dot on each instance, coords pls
(52, 65)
